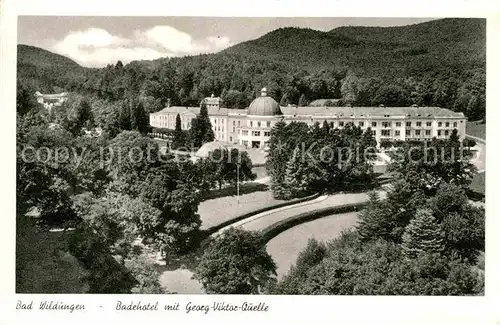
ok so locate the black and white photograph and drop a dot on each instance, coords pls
(250, 155)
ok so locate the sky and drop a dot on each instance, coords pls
(97, 41)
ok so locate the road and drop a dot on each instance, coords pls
(263, 220)
(479, 159)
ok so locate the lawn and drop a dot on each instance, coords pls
(476, 129)
(260, 172)
(479, 183)
(217, 210)
(44, 265)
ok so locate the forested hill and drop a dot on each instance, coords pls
(46, 71)
(41, 58)
(373, 51)
(437, 63)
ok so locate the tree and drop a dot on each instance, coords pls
(142, 120)
(302, 100)
(428, 165)
(325, 128)
(129, 158)
(284, 138)
(181, 220)
(178, 140)
(25, 100)
(386, 144)
(379, 268)
(284, 100)
(308, 258)
(469, 143)
(124, 119)
(462, 223)
(423, 235)
(76, 114)
(146, 276)
(235, 262)
(300, 175)
(223, 165)
(201, 129)
(350, 89)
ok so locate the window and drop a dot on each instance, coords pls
(341, 123)
(361, 124)
(397, 133)
(244, 132)
(419, 123)
(398, 124)
(258, 124)
(234, 123)
(446, 132)
(408, 123)
(251, 123)
(374, 124)
(233, 129)
(447, 124)
(386, 133)
(268, 124)
(429, 123)
(439, 132)
(386, 124)
(454, 124)
(427, 132)
(230, 139)
(245, 143)
(256, 133)
(267, 134)
(407, 133)
(215, 121)
(238, 123)
(332, 125)
(440, 124)
(417, 132)
(374, 132)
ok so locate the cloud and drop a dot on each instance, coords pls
(97, 47)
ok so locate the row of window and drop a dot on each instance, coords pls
(256, 133)
(260, 124)
(387, 133)
(398, 124)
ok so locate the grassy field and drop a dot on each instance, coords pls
(260, 171)
(215, 211)
(479, 183)
(43, 264)
(476, 129)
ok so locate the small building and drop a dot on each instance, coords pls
(51, 100)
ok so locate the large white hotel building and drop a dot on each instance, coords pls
(252, 127)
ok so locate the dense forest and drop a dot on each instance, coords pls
(437, 63)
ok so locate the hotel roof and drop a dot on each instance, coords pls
(346, 111)
(340, 112)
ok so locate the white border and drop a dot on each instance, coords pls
(287, 310)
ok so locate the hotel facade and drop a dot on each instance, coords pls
(251, 127)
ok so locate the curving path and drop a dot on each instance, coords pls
(285, 247)
(263, 220)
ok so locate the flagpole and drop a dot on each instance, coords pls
(238, 183)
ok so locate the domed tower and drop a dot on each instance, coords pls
(262, 114)
(264, 105)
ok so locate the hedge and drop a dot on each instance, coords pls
(277, 228)
(218, 227)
